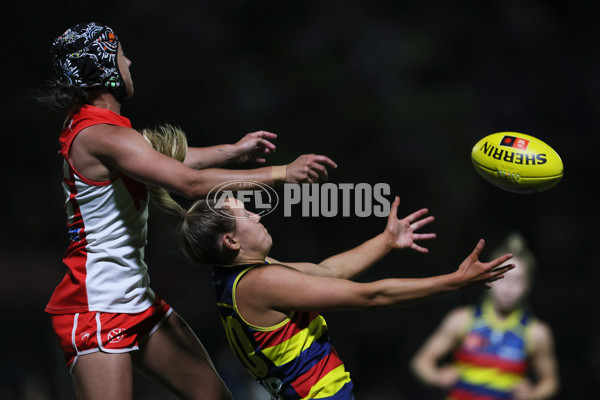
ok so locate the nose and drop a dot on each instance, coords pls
(256, 216)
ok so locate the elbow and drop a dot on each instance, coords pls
(193, 187)
(376, 301)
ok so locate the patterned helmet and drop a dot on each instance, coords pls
(85, 56)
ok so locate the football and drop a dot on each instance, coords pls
(517, 162)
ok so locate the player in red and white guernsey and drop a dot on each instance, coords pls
(105, 315)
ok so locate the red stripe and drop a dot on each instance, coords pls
(460, 394)
(71, 294)
(307, 380)
(299, 322)
(490, 361)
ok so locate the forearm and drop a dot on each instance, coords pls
(425, 369)
(201, 182)
(544, 390)
(392, 292)
(210, 157)
(353, 262)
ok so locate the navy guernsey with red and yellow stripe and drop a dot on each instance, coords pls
(294, 359)
(492, 359)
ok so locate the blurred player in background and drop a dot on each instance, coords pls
(104, 313)
(497, 344)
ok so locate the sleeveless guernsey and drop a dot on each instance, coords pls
(294, 359)
(106, 223)
(492, 359)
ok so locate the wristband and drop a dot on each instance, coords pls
(279, 173)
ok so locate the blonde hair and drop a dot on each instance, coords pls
(172, 142)
(200, 230)
(516, 244)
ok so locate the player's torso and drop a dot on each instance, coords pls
(492, 359)
(292, 360)
(107, 227)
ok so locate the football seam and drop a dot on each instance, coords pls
(522, 176)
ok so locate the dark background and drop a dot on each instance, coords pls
(394, 92)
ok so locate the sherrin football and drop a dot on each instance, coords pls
(517, 162)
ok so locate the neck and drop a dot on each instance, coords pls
(249, 258)
(105, 99)
(504, 313)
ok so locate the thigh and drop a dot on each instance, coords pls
(175, 357)
(103, 376)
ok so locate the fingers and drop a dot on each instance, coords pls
(424, 236)
(500, 260)
(478, 249)
(324, 160)
(264, 134)
(487, 282)
(497, 271)
(312, 168)
(319, 170)
(422, 222)
(418, 248)
(264, 146)
(394, 207)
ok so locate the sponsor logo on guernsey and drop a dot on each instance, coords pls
(74, 235)
(475, 341)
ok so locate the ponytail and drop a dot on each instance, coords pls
(171, 142)
(201, 229)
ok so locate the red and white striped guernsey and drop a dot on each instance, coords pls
(107, 226)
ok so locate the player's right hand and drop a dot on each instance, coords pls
(473, 271)
(309, 168)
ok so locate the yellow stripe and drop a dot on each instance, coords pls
(224, 305)
(490, 377)
(291, 348)
(330, 383)
(509, 323)
(237, 311)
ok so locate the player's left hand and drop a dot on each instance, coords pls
(402, 231)
(523, 391)
(254, 146)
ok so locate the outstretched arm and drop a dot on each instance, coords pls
(125, 150)
(252, 147)
(398, 234)
(272, 291)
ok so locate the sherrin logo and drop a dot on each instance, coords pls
(514, 157)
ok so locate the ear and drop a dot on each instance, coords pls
(230, 242)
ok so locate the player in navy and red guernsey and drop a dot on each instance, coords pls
(270, 310)
(105, 315)
(500, 350)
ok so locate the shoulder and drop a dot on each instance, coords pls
(458, 321)
(269, 271)
(540, 334)
(460, 315)
(103, 137)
